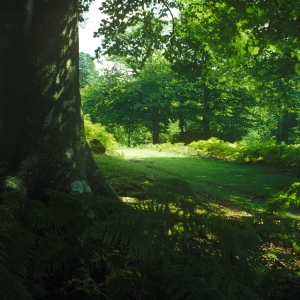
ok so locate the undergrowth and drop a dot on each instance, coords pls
(167, 247)
(269, 153)
(97, 131)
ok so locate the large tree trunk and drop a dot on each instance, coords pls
(42, 142)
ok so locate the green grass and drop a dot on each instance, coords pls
(217, 193)
(248, 186)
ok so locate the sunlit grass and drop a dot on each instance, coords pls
(235, 186)
(213, 191)
(248, 185)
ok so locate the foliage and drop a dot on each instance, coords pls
(288, 197)
(135, 103)
(170, 246)
(98, 132)
(87, 69)
(281, 156)
(155, 99)
(215, 147)
(172, 132)
(133, 29)
(236, 30)
(167, 259)
(41, 245)
(233, 62)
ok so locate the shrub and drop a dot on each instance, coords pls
(97, 132)
(288, 197)
(216, 148)
(281, 156)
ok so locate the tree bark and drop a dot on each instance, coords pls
(155, 131)
(206, 114)
(181, 127)
(42, 142)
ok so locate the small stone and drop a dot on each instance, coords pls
(80, 187)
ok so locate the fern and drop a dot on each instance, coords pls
(166, 244)
(160, 249)
(20, 251)
(39, 240)
(12, 287)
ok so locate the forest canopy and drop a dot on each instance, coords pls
(227, 69)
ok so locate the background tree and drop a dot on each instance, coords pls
(134, 29)
(133, 102)
(111, 101)
(233, 29)
(277, 91)
(87, 69)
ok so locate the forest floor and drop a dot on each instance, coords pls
(235, 187)
(221, 188)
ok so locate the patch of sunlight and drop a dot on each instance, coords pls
(146, 153)
(69, 153)
(49, 118)
(228, 212)
(64, 51)
(70, 32)
(234, 198)
(291, 214)
(69, 63)
(58, 94)
(58, 79)
(64, 33)
(129, 199)
(59, 118)
(68, 103)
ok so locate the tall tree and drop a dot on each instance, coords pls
(41, 125)
(87, 69)
(133, 102)
(232, 29)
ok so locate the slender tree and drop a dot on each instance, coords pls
(41, 124)
(87, 69)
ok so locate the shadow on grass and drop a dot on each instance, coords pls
(213, 180)
(203, 200)
(175, 234)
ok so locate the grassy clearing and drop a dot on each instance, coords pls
(218, 192)
(247, 186)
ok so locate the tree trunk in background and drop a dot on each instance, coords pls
(155, 131)
(42, 142)
(181, 127)
(129, 139)
(206, 115)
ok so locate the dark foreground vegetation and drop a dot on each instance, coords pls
(168, 239)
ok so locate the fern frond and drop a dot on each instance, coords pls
(20, 250)
(11, 287)
(49, 251)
